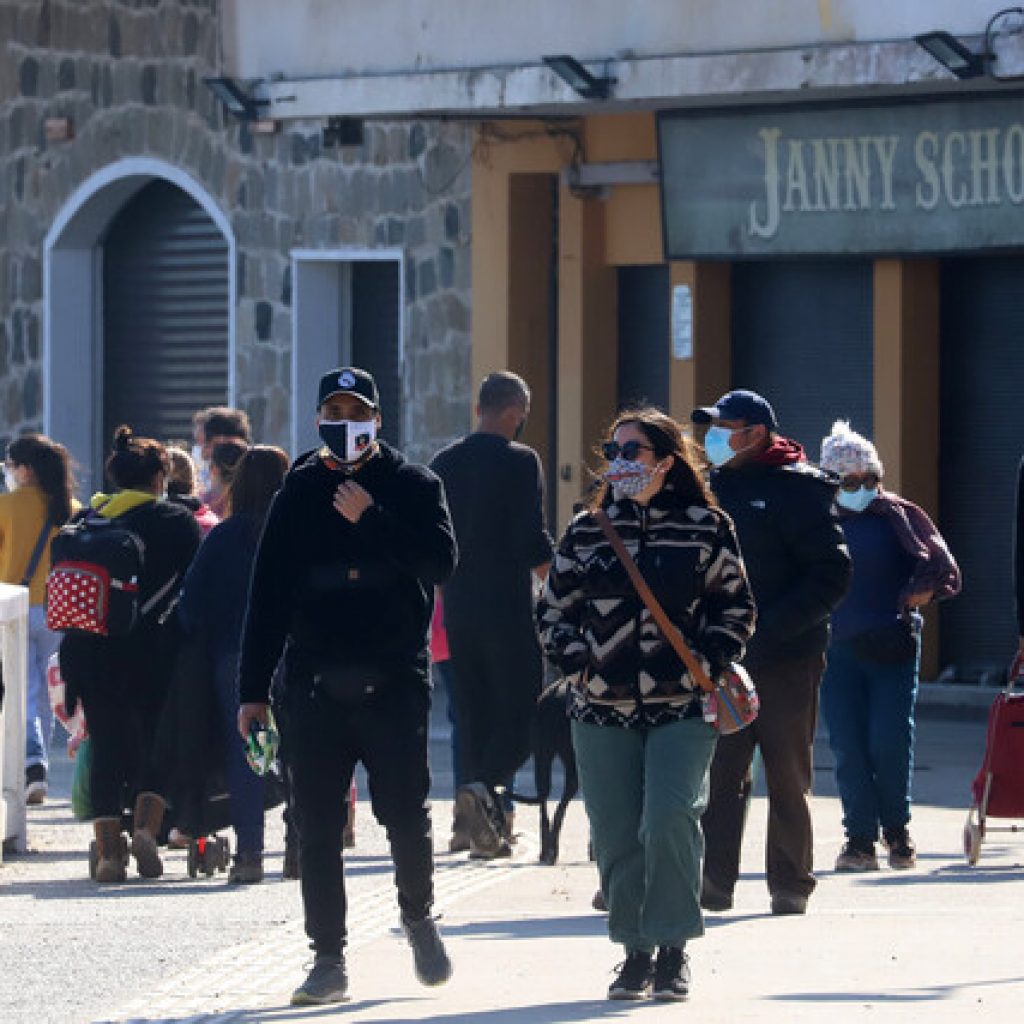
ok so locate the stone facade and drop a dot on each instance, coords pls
(128, 73)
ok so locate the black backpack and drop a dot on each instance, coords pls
(95, 574)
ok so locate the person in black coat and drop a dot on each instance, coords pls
(799, 569)
(343, 585)
(122, 681)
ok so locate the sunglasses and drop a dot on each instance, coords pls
(629, 450)
(853, 483)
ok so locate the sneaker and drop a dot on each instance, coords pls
(714, 899)
(634, 978)
(857, 855)
(484, 820)
(671, 974)
(247, 869)
(327, 983)
(429, 955)
(35, 784)
(599, 903)
(785, 904)
(902, 851)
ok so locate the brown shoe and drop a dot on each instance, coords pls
(108, 855)
(247, 869)
(902, 851)
(149, 814)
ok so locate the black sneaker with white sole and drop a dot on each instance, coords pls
(671, 974)
(429, 955)
(36, 786)
(634, 978)
(327, 982)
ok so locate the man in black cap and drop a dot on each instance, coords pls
(343, 583)
(799, 569)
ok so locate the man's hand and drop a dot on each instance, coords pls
(917, 600)
(351, 500)
(249, 713)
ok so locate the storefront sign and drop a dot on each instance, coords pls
(916, 177)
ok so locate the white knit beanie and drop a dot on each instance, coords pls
(845, 451)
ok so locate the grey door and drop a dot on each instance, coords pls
(981, 443)
(166, 316)
(802, 336)
(643, 336)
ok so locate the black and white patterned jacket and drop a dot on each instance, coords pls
(593, 622)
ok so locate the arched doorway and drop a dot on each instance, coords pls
(139, 299)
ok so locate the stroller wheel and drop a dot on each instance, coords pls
(93, 860)
(972, 842)
(192, 860)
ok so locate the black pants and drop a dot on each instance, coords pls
(324, 741)
(123, 720)
(496, 679)
(784, 730)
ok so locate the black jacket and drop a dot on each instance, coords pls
(359, 595)
(146, 655)
(795, 553)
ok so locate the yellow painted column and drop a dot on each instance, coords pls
(703, 377)
(906, 394)
(587, 346)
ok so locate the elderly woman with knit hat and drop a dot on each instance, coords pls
(900, 562)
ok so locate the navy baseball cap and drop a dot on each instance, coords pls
(348, 380)
(744, 405)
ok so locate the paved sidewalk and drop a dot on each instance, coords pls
(941, 942)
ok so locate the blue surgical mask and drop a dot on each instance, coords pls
(858, 500)
(716, 445)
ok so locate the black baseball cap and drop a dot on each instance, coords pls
(348, 380)
(741, 404)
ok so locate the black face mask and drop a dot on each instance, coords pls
(348, 440)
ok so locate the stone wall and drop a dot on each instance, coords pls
(129, 75)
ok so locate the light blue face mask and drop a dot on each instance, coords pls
(858, 500)
(716, 445)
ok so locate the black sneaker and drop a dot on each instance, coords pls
(671, 974)
(429, 955)
(857, 855)
(902, 851)
(634, 977)
(327, 983)
(35, 784)
(714, 899)
(484, 819)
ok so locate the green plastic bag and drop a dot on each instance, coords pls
(81, 782)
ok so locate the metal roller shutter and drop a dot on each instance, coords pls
(643, 336)
(376, 341)
(982, 367)
(802, 336)
(166, 317)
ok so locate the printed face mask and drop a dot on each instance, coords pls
(628, 477)
(858, 500)
(348, 440)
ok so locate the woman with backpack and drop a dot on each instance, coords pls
(39, 500)
(122, 678)
(212, 609)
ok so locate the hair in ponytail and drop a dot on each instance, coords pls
(135, 460)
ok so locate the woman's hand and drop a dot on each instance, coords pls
(922, 598)
(249, 713)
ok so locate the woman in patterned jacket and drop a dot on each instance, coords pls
(639, 729)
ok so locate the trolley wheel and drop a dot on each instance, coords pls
(94, 860)
(972, 842)
(223, 851)
(191, 860)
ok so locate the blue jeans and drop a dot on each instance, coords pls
(869, 710)
(645, 790)
(42, 643)
(244, 785)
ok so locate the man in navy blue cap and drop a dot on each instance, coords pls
(799, 569)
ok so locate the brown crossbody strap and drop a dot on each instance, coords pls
(668, 628)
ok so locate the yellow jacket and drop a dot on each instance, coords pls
(22, 513)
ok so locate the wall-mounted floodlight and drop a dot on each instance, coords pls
(952, 54)
(575, 75)
(239, 103)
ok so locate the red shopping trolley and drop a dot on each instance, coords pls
(998, 788)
